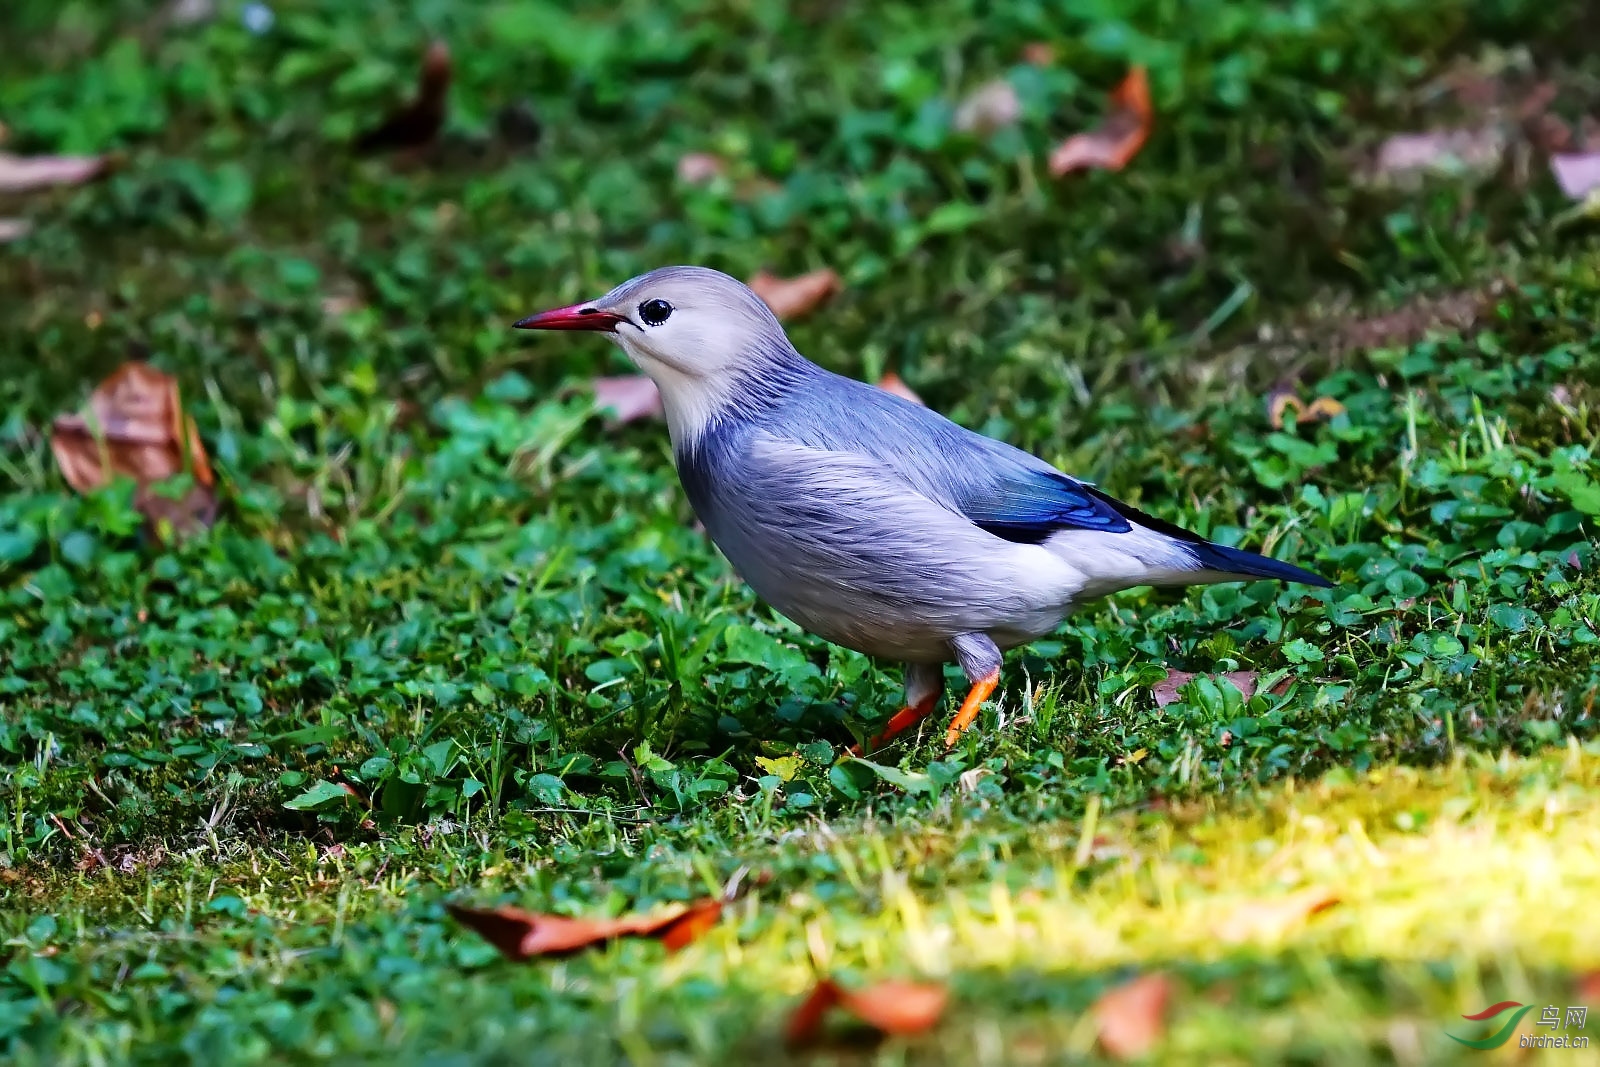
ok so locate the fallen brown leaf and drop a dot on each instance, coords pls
(1114, 143)
(1578, 174)
(419, 121)
(137, 428)
(1131, 1018)
(518, 124)
(1324, 409)
(1271, 919)
(1450, 312)
(892, 383)
(1038, 54)
(1166, 690)
(1487, 115)
(1406, 158)
(1279, 401)
(629, 397)
(522, 935)
(1477, 82)
(698, 168)
(1282, 400)
(790, 297)
(894, 1007)
(1550, 135)
(189, 12)
(755, 187)
(339, 304)
(989, 107)
(20, 174)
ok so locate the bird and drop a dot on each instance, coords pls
(871, 521)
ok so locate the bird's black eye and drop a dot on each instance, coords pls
(654, 312)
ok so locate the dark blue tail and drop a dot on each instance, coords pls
(1215, 557)
(1236, 561)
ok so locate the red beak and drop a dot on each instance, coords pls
(573, 317)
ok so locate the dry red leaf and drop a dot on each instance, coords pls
(1271, 919)
(790, 297)
(419, 121)
(1114, 143)
(692, 925)
(1578, 174)
(21, 174)
(992, 106)
(698, 168)
(629, 397)
(892, 383)
(898, 1007)
(893, 1007)
(522, 935)
(1166, 690)
(805, 1022)
(1131, 1018)
(355, 794)
(136, 427)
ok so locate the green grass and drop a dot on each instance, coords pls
(439, 578)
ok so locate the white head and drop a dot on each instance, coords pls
(697, 333)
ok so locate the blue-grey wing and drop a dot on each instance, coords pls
(998, 488)
(1027, 506)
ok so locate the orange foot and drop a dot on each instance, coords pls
(903, 720)
(969, 708)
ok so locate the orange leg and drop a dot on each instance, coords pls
(903, 720)
(969, 708)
